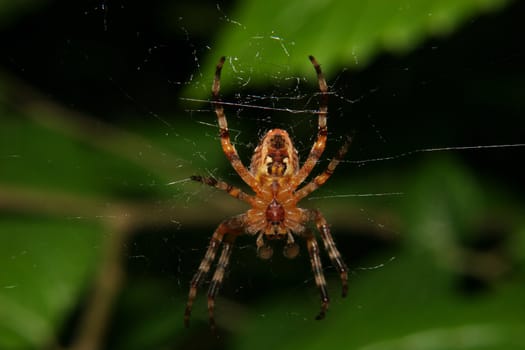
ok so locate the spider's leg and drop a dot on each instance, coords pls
(320, 143)
(201, 273)
(216, 282)
(233, 191)
(317, 268)
(230, 226)
(227, 147)
(333, 252)
(320, 179)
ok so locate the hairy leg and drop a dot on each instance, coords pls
(320, 179)
(227, 147)
(216, 281)
(233, 191)
(233, 227)
(320, 143)
(333, 252)
(317, 269)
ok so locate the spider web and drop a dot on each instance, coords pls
(290, 101)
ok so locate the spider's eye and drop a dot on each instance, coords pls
(277, 142)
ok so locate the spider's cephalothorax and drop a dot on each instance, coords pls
(275, 176)
(275, 157)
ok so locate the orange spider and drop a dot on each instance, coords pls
(274, 176)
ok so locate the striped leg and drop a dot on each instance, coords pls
(320, 143)
(319, 180)
(231, 226)
(333, 252)
(216, 282)
(317, 268)
(233, 191)
(227, 147)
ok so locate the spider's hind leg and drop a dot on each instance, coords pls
(216, 281)
(226, 231)
(317, 269)
(333, 252)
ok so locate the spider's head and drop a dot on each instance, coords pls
(275, 156)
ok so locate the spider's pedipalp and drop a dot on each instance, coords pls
(291, 249)
(264, 251)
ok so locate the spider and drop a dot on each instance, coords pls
(274, 176)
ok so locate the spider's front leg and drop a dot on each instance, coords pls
(227, 147)
(226, 233)
(319, 145)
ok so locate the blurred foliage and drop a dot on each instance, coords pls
(10, 10)
(91, 190)
(46, 263)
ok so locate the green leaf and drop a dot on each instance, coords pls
(43, 158)
(272, 37)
